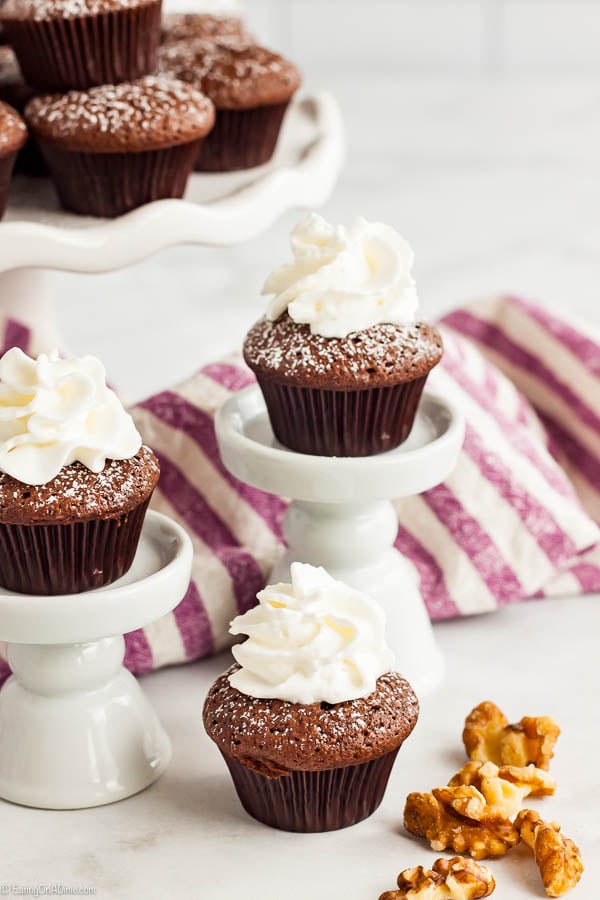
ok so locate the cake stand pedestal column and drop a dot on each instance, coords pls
(75, 727)
(341, 515)
(26, 298)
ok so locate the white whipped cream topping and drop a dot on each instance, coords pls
(310, 641)
(344, 280)
(54, 412)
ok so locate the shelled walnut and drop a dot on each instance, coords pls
(557, 857)
(506, 787)
(458, 818)
(449, 879)
(488, 736)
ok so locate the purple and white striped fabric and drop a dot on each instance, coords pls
(516, 519)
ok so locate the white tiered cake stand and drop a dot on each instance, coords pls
(218, 209)
(341, 516)
(75, 728)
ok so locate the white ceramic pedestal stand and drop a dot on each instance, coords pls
(341, 516)
(75, 728)
(218, 209)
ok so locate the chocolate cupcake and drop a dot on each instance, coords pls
(114, 148)
(75, 480)
(76, 44)
(183, 26)
(310, 722)
(340, 357)
(13, 135)
(251, 88)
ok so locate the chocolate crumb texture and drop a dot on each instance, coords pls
(383, 355)
(13, 131)
(275, 735)
(149, 114)
(234, 73)
(77, 494)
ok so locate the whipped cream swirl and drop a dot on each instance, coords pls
(311, 641)
(343, 279)
(54, 412)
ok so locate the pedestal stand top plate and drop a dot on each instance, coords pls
(218, 210)
(157, 581)
(251, 452)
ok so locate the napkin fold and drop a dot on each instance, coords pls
(516, 520)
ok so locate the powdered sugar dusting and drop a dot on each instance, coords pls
(231, 71)
(64, 9)
(151, 111)
(77, 493)
(393, 353)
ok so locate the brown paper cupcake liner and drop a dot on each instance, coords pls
(79, 53)
(7, 164)
(313, 801)
(241, 138)
(110, 184)
(342, 423)
(69, 558)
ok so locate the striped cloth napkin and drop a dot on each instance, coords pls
(516, 520)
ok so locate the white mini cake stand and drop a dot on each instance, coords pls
(342, 517)
(75, 728)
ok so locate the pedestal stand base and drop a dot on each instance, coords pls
(75, 727)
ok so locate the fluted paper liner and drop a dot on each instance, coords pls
(241, 138)
(64, 54)
(69, 558)
(110, 184)
(313, 801)
(342, 423)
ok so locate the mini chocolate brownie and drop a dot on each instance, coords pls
(67, 44)
(251, 88)
(114, 148)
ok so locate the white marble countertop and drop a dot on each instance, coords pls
(188, 838)
(496, 184)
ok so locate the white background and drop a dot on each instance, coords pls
(473, 126)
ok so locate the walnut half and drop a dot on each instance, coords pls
(488, 736)
(458, 818)
(506, 787)
(449, 879)
(557, 857)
